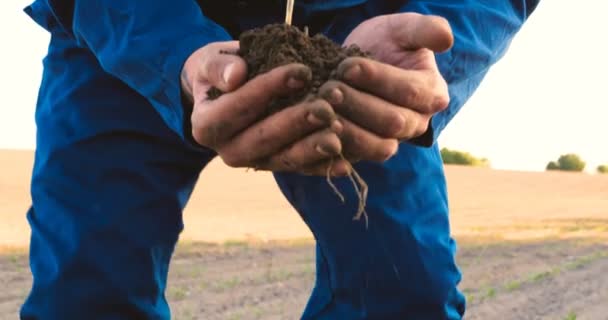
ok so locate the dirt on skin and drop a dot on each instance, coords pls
(274, 45)
(549, 279)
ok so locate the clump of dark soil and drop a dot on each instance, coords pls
(275, 45)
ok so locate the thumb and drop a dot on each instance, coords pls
(221, 68)
(414, 31)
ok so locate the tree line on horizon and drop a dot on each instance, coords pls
(462, 158)
(566, 162)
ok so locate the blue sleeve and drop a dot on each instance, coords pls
(483, 30)
(144, 43)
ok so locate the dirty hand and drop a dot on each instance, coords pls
(393, 98)
(300, 138)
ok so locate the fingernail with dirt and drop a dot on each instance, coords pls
(299, 77)
(324, 113)
(337, 126)
(312, 119)
(351, 72)
(227, 72)
(334, 96)
(294, 83)
(323, 151)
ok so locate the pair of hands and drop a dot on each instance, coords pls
(364, 115)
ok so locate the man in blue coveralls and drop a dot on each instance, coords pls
(124, 129)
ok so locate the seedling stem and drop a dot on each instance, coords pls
(289, 12)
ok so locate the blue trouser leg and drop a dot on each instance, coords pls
(402, 265)
(110, 181)
(109, 185)
(102, 232)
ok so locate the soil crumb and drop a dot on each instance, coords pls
(275, 45)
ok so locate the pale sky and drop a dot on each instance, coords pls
(546, 97)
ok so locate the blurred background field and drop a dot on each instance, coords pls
(532, 245)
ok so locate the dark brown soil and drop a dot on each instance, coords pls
(275, 45)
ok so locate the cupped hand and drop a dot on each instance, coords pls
(301, 138)
(392, 97)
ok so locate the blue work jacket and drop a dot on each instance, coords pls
(145, 42)
(115, 163)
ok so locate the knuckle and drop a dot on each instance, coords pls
(395, 125)
(441, 99)
(413, 95)
(440, 94)
(441, 102)
(431, 78)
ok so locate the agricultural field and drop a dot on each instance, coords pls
(530, 245)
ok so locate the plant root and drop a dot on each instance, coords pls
(331, 184)
(360, 186)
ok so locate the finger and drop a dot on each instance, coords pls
(221, 69)
(372, 113)
(424, 91)
(314, 148)
(334, 167)
(216, 121)
(360, 144)
(276, 132)
(414, 31)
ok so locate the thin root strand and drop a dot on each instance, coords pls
(331, 184)
(360, 186)
(362, 190)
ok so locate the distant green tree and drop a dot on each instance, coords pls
(602, 168)
(552, 166)
(567, 162)
(462, 158)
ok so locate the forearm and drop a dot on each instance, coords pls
(142, 42)
(483, 31)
